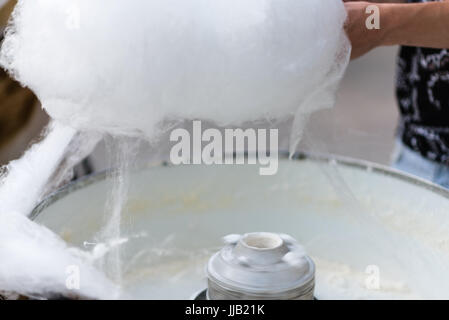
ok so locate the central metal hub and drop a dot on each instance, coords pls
(260, 266)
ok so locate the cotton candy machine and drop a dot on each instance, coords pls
(372, 232)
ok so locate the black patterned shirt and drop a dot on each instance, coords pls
(423, 96)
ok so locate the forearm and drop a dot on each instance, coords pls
(390, 1)
(379, 1)
(420, 24)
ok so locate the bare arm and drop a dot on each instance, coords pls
(420, 24)
(379, 1)
(413, 24)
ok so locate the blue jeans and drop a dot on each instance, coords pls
(410, 161)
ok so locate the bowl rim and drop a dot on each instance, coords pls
(348, 162)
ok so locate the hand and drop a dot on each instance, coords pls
(362, 39)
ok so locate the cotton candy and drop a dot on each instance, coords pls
(125, 67)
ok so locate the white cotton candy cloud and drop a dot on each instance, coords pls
(124, 66)
(37, 262)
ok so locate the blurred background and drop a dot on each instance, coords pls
(21, 118)
(362, 125)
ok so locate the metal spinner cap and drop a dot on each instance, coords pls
(260, 266)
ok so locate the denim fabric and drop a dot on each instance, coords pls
(411, 162)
